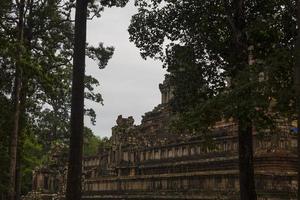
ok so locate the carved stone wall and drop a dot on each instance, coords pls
(190, 170)
(148, 161)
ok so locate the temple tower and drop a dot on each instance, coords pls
(166, 90)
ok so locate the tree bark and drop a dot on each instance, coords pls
(18, 175)
(16, 102)
(27, 38)
(22, 125)
(245, 137)
(77, 106)
(246, 169)
(297, 87)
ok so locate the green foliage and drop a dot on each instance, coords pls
(32, 154)
(195, 90)
(93, 143)
(47, 54)
(197, 42)
(100, 54)
(4, 143)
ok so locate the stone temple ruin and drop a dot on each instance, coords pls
(147, 161)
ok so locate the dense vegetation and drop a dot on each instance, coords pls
(36, 39)
(228, 59)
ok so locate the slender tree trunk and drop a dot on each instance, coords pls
(22, 124)
(77, 106)
(246, 169)
(18, 175)
(297, 87)
(16, 102)
(14, 138)
(27, 38)
(245, 137)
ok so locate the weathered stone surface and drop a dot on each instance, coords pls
(149, 162)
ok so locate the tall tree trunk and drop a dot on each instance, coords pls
(246, 169)
(77, 106)
(242, 55)
(16, 103)
(22, 125)
(27, 38)
(297, 87)
(18, 174)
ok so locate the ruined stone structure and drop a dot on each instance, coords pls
(148, 161)
(49, 180)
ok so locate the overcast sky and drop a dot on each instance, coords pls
(129, 84)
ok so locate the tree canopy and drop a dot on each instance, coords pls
(228, 60)
(46, 63)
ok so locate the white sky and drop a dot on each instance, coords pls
(129, 84)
